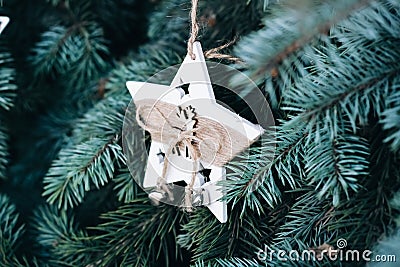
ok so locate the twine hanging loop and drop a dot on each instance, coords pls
(212, 53)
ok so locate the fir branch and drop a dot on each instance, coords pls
(337, 89)
(142, 68)
(391, 118)
(10, 233)
(282, 155)
(7, 81)
(269, 51)
(138, 234)
(46, 59)
(320, 28)
(78, 169)
(3, 149)
(79, 49)
(208, 239)
(303, 220)
(104, 120)
(93, 157)
(59, 240)
(125, 186)
(363, 218)
(323, 112)
(336, 165)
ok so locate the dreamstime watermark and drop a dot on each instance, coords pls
(323, 252)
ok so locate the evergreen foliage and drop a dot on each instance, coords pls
(7, 94)
(329, 70)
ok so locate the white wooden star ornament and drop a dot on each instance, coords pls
(3, 23)
(193, 137)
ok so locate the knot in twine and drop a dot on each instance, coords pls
(179, 134)
(187, 139)
(205, 139)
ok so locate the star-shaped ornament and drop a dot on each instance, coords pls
(191, 133)
(3, 23)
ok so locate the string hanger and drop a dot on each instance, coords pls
(212, 53)
(194, 29)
